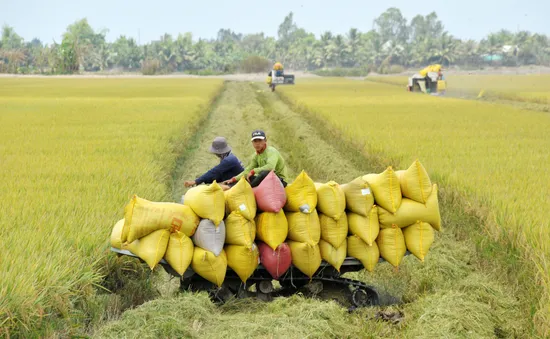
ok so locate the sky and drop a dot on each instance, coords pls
(148, 20)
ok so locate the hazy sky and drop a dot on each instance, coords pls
(47, 19)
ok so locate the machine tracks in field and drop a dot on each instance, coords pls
(305, 144)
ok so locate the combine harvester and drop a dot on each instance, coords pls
(277, 77)
(430, 80)
(236, 243)
(326, 283)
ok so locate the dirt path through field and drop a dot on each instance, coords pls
(243, 107)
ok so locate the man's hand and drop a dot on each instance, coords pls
(189, 183)
(251, 173)
(230, 181)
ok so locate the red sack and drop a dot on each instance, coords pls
(275, 262)
(270, 194)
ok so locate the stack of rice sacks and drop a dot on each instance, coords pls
(304, 230)
(408, 222)
(373, 216)
(157, 230)
(331, 204)
(272, 226)
(363, 225)
(240, 210)
(401, 215)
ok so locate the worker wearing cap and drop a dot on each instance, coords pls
(229, 165)
(265, 159)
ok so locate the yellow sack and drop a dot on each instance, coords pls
(366, 228)
(304, 227)
(332, 231)
(367, 255)
(386, 189)
(306, 257)
(415, 183)
(142, 217)
(301, 195)
(116, 235)
(268, 80)
(152, 247)
(431, 68)
(179, 252)
(278, 66)
(272, 228)
(239, 230)
(331, 200)
(359, 197)
(241, 198)
(419, 238)
(242, 260)
(391, 244)
(207, 201)
(209, 266)
(334, 256)
(412, 211)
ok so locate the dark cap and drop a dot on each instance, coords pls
(258, 134)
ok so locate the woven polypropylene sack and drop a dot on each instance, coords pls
(304, 227)
(239, 230)
(301, 195)
(391, 244)
(419, 237)
(242, 260)
(276, 262)
(367, 228)
(152, 247)
(359, 197)
(331, 200)
(272, 228)
(270, 194)
(415, 183)
(386, 189)
(179, 252)
(334, 231)
(306, 257)
(367, 255)
(411, 211)
(116, 235)
(209, 266)
(142, 217)
(335, 256)
(241, 198)
(210, 237)
(207, 201)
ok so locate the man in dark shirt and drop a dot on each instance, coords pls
(228, 167)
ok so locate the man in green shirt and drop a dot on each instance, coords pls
(265, 160)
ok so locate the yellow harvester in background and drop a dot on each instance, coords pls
(429, 80)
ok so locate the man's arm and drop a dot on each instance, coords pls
(253, 163)
(213, 174)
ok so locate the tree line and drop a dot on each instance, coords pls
(393, 43)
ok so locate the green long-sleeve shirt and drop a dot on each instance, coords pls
(269, 159)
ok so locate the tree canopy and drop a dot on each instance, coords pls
(393, 41)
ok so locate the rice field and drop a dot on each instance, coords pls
(522, 88)
(72, 152)
(493, 155)
(484, 302)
